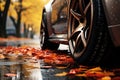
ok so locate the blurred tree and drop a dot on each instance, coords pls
(32, 16)
(4, 6)
(28, 12)
(24, 12)
(17, 22)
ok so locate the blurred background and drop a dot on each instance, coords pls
(20, 18)
(20, 22)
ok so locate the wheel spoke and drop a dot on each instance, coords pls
(76, 31)
(87, 7)
(81, 7)
(78, 42)
(82, 38)
(76, 15)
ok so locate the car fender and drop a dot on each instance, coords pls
(112, 13)
(47, 11)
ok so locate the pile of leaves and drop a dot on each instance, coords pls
(48, 56)
(92, 73)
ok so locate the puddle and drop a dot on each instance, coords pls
(19, 69)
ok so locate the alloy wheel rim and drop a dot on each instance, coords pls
(80, 26)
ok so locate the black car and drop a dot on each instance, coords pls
(91, 28)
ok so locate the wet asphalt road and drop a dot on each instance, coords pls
(18, 67)
(35, 73)
(28, 42)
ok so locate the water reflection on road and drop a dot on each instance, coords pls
(20, 69)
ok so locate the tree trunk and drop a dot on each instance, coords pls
(3, 18)
(18, 25)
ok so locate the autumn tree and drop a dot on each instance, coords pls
(27, 12)
(17, 23)
(33, 15)
(17, 20)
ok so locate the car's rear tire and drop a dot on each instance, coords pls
(89, 42)
(44, 38)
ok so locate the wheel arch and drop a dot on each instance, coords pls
(47, 14)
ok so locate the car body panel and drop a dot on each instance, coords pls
(56, 17)
(59, 16)
(112, 12)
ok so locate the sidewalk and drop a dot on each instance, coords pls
(13, 41)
